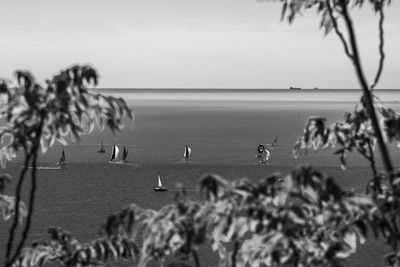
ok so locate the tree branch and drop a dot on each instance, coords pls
(14, 225)
(196, 258)
(28, 223)
(234, 253)
(337, 31)
(381, 44)
(367, 98)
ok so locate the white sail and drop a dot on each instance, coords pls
(267, 154)
(114, 153)
(189, 151)
(159, 184)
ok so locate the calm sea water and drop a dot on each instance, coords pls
(223, 129)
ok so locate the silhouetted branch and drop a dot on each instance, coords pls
(367, 99)
(234, 253)
(32, 195)
(381, 51)
(16, 216)
(196, 258)
(338, 32)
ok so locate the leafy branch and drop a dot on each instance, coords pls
(37, 116)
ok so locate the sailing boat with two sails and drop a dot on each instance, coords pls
(160, 187)
(115, 153)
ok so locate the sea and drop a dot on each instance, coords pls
(223, 127)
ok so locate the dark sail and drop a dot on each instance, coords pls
(125, 154)
(113, 154)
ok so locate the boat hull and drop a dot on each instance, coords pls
(160, 189)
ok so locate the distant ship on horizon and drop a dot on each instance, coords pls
(294, 88)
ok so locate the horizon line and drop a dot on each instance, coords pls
(296, 89)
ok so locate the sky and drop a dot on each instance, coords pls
(190, 44)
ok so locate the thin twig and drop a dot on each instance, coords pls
(338, 32)
(32, 195)
(377, 186)
(196, 258)
(234, 253)
(14, 225)
(387, 162)
(381, 44)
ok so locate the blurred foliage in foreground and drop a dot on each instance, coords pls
(36, 116)
(301, 219)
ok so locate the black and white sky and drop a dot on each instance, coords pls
(189, 43)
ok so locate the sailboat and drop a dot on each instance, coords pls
(124, 154)
(114, 154)
(62, 162)
(160, 186)
(101, 149)
(187, 152)
(265, 156)
(275, 141)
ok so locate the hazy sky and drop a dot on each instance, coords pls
(188, 43)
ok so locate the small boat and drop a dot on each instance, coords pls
(187, 153)
(62, 162)
(114, 154)
(160, 186)
(101, 149)
(124, 154)
(275, 141)
(263, 154)
(294, 88)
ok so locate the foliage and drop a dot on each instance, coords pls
(7, 203)
(355, 134)
(64, 248)
(328, 9)
(63, 107)
(304, 220)
(35, 117)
